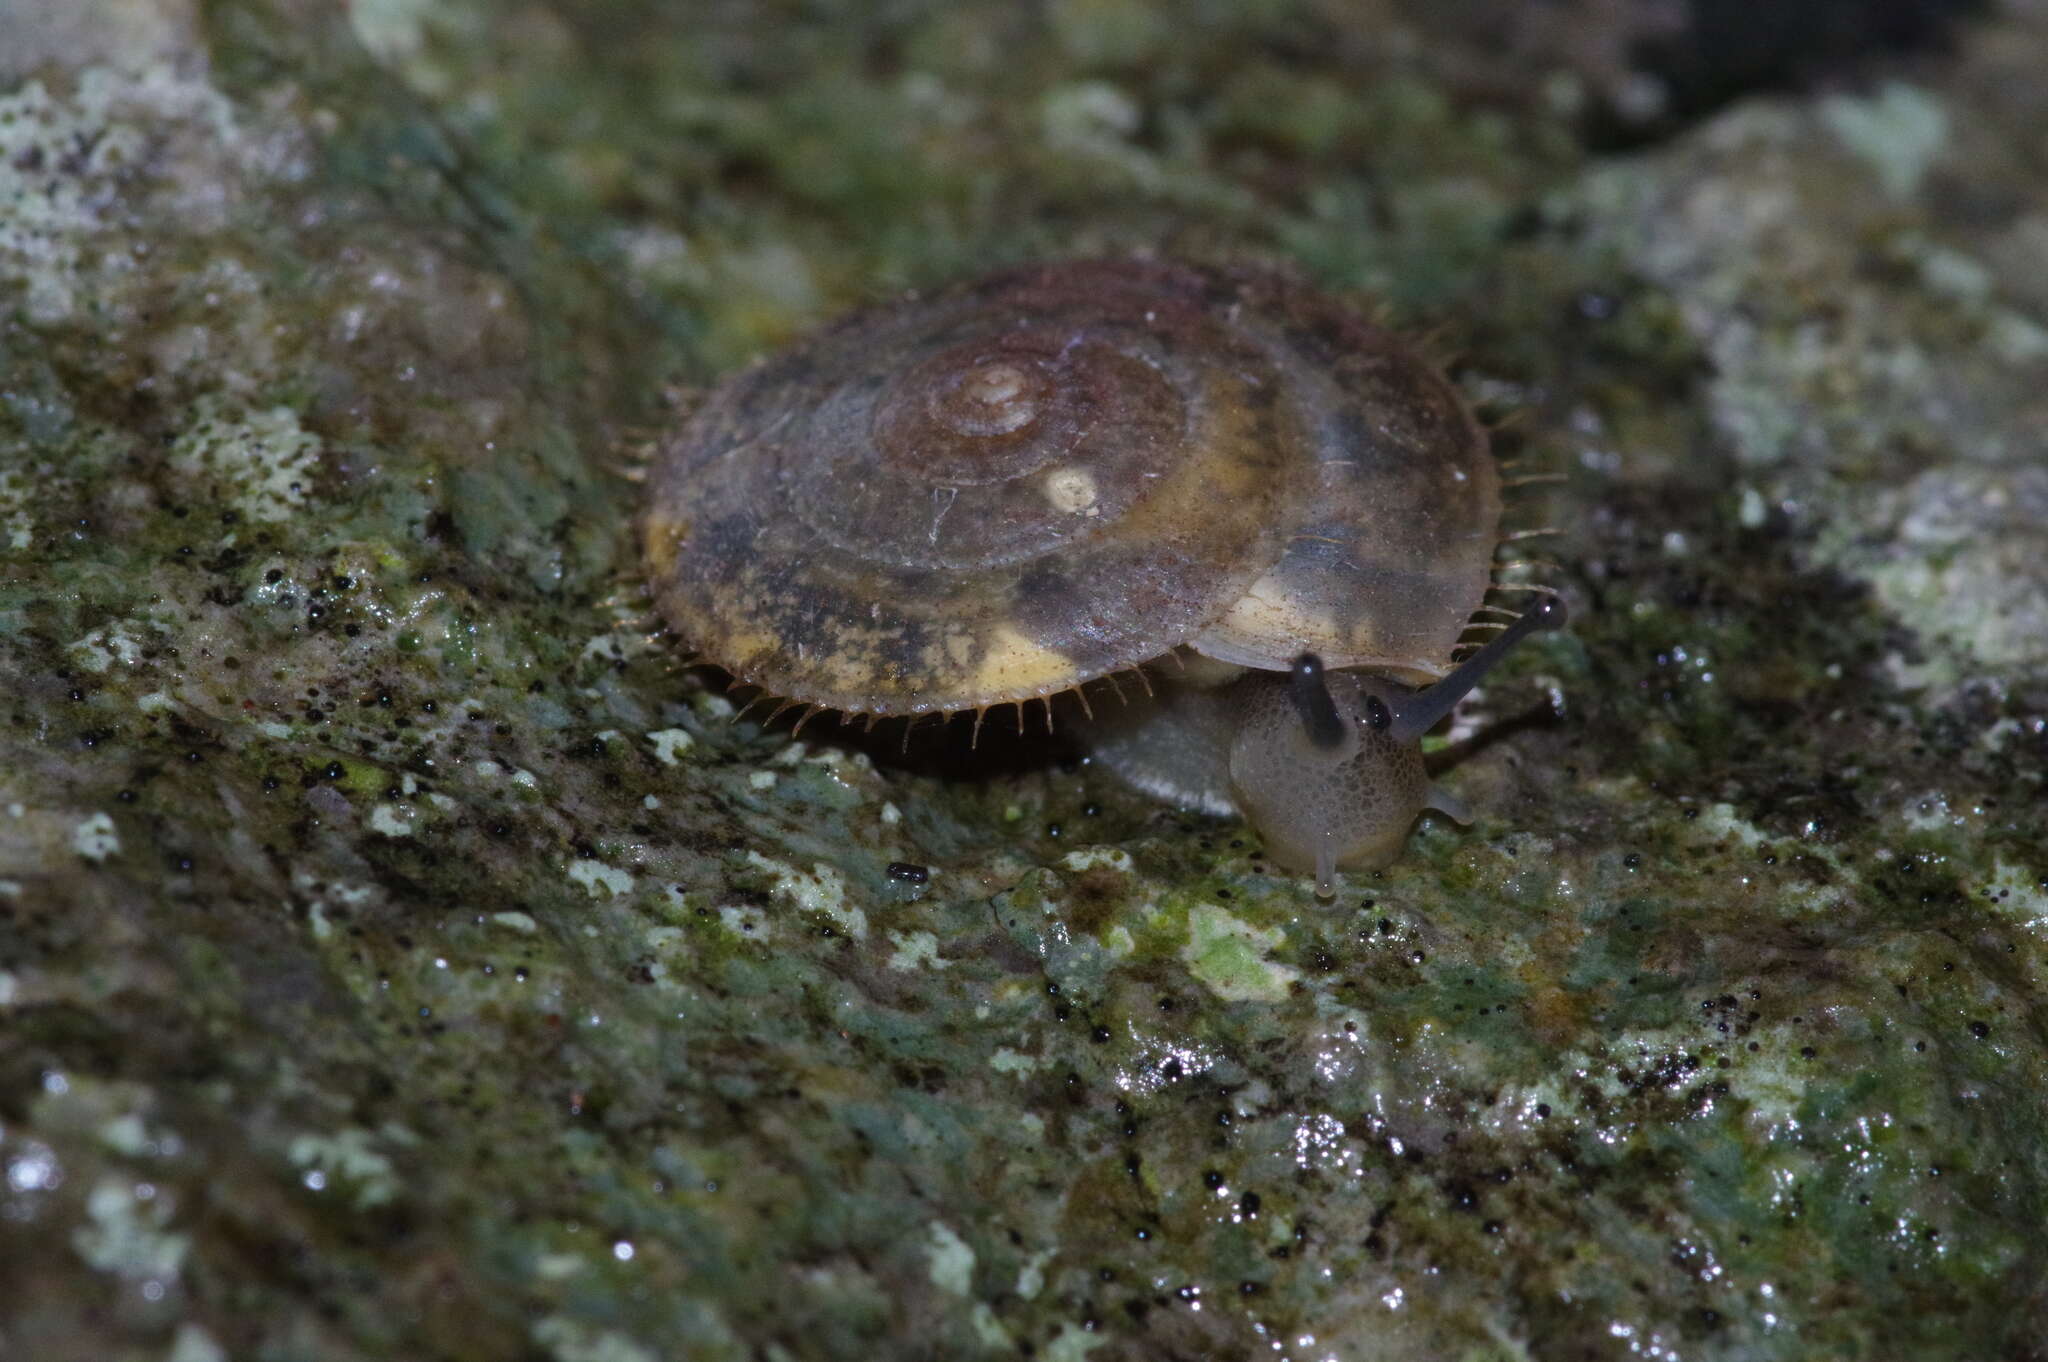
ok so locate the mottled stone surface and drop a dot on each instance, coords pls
(401, 956)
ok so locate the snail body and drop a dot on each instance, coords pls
(1030, 483)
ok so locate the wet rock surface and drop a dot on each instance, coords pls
(401, 954)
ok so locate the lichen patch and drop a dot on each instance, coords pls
(263, 458)
(820, 889)
(127, 1234)
(670, 744)
(347, 1156)
(1229, 955)
(2019, 895)
(95, 839)
(952, 1260)
(17, 516)
(1008, 1061)
(916, 950)
(108, 646)
(391, 820)
(598, 879)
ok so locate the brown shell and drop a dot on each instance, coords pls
(1395, 548)
(1003, 490)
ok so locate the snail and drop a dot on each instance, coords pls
(1278, 516)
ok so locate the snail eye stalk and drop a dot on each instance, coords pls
(1419, 713)
(1313, 700)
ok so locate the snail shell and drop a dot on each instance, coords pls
(1025, 483)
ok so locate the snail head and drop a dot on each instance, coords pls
(1327, 765)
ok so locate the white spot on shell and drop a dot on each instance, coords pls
(995, 384)
(1071, 490)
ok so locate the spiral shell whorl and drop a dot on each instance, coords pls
(987, 495)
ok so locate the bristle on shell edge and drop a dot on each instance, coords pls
(1076, 697)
